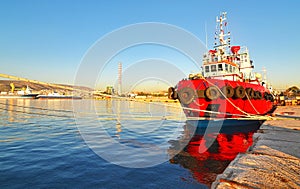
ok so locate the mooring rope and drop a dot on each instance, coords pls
(238, 108)
(245, 115)
(251, 104)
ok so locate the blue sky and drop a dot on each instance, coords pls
(46, 40)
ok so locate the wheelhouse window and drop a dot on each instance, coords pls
(206, 68)
(226, 67)
(230, 68)
(213, 68)
(220, 67)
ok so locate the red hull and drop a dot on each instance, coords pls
(198, 102)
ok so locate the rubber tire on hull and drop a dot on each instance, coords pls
(186, 95)
(228, 91)
(212, 93)
(175, 95)
(250, 93)
(271, 98)
(172, 93)
(268, 96)
(257, 95)
(239, 92)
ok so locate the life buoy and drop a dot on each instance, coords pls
(228, 91)
(257, 95)
(186, 95)
(239, 92)
(212, 93)
(250, 93)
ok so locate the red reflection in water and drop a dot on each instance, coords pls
(207, 156)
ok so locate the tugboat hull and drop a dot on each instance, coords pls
(209, 98)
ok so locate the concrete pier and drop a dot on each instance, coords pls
(273, 161)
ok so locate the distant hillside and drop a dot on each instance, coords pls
(5, 86)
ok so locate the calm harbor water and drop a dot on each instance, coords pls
(107, 144)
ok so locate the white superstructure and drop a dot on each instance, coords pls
(226, 61)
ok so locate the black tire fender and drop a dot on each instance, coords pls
(267, 96)
(228, 91)
(258, 95)
(250, 93)
(170, 92)
(239, 92)
(186, 95)
(212, 93)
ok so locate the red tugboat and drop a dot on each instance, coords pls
(227, 92)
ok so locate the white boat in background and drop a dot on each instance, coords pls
(57, 96)
(9, 96)
(19, 94)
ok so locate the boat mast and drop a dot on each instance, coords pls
(222, 39)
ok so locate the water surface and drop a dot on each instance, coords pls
(42, 146)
